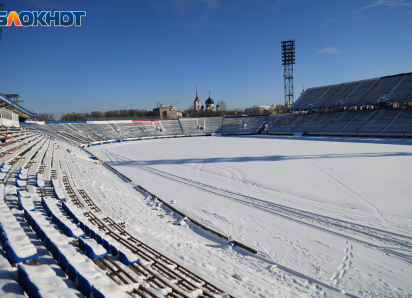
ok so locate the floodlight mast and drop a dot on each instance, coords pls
(288, 59)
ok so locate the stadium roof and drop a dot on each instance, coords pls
(382, 90)
(7, 103)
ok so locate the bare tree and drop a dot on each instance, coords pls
(222, 104)
(45, 117)
(66, 116)
(124, 113)
(73, 116)
(95, 114)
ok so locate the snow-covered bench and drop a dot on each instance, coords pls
(5, 167)
(15, 241)
(3, 176)
(58, 190)
(2, 192)
(21, 176)
(40, 180)
(126, 256)
(37, 283)
(9, 288)
(69, 228)
(101, 291)
(24, 271)
(61, 248)
(88, 279)
(21, 183)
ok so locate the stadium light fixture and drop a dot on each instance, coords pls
(288, 59)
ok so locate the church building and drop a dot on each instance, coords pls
(210, 104)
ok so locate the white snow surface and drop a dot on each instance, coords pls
(328, 216)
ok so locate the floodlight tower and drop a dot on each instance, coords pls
(288, 59)
(1, 9)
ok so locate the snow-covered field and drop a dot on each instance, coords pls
(328, 216)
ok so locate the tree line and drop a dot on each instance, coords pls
(190, 112)
(74, 116)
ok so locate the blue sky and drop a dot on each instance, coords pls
(134, 53)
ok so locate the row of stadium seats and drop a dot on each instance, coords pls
(377, 121)
(197, 126)
(109, 250)
(15, 240)
(350, 122)
(9, 288)
(117, 242)
(86, 133)
(366, 92)
(38, 281)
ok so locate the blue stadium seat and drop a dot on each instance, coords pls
(39, 283)
(73, 268)
(114, 249)
(94, 252)
(24, 271)
(57, 293)
(66, 257)
(127, 257)
(20, 253)
(87, 279)
(108, 291)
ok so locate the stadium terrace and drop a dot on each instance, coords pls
(311, 203)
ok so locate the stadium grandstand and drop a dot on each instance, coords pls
(11, 113)
(378, 91)
(81, 252)
(38, 180)
(373, 107)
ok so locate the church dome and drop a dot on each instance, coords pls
(210, 101)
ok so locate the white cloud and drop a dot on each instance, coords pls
(329, 50)
(392, 3)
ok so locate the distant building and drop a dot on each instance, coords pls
(263, 109)
(197, 103)
(210, 104)
(164, 111)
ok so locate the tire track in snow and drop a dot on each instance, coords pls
(373, 207)
(194, 168)
(310, 219)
